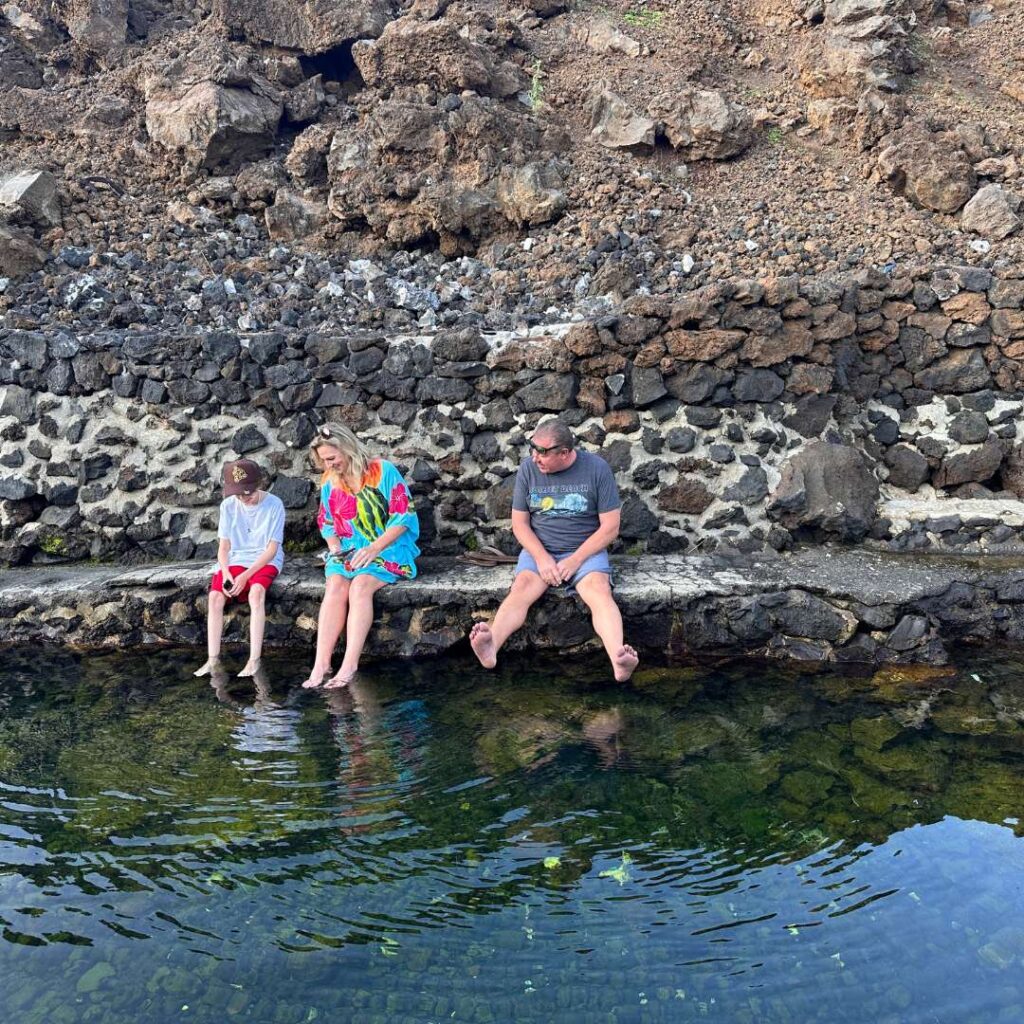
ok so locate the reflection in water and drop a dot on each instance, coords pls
(436, 842)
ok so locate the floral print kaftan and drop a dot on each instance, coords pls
(359, 519)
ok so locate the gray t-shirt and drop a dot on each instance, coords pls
(564, 506)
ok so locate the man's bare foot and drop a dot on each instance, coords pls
(482, 642)
(252, 666)
(343, 678)
(316, 677)
(211, 665)
(624, 662)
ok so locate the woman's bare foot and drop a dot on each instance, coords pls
(316, 677)
(482, 642)
(343, 678)
(624, 662)
(252, 666)
(212, 665)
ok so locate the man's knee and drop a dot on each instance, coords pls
(595, 586)
(527, 583)
(257, 595)
(217, 600)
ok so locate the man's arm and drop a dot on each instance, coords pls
(523, 533)
(606, 532)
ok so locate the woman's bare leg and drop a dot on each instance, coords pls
(333, 609)
(360, 618)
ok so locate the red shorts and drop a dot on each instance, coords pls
(264, 577)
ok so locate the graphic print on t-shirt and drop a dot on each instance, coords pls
(572, 504)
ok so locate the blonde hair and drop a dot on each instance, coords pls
(343, 441)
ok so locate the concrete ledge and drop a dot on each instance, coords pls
(821, 604)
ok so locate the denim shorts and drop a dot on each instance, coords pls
(595, 563)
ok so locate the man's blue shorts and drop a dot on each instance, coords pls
(595, 563)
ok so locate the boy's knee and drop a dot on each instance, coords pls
(217, 599)
(257, 594)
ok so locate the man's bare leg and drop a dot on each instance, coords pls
(257, 623)
(333, 609)
(214, 631)
(360, 619)
(596, 591)
(486, 640)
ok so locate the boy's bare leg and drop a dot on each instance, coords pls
(486, 640)
(257, 624)
(360, 618)
(596, 591)
(214, 631)
(333, 609)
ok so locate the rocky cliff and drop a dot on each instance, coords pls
(447, 159)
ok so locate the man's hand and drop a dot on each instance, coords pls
(548, 571)
(568, 567)
(364, 557)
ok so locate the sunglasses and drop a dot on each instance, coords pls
(541, 450)
(324, 431)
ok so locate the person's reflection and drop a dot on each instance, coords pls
(603, 731)
(382, 748)
(265, 727)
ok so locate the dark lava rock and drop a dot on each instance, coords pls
(961, 371)
(826, 487)
(969, 428)
(248, 439)
(908, 468)
(292, 490)
(552, 392)
(750, 488)
(701, 416)
(974, 465)
(811, 415)
(647, 385)
(681, 440)
(758, 386)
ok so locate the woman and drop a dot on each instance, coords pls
(368, 521)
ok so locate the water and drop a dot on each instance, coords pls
(439, 843)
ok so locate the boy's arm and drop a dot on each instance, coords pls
(223, 552)
(265, 557)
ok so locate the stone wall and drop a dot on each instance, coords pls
(738, 416)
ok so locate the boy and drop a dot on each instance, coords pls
(250, 555)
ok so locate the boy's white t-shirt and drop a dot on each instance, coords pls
(250, 530)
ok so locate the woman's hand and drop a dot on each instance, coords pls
(364, 556)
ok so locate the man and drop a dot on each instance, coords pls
(565, 513)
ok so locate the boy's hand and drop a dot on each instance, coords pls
(227, 581)
(239, 582)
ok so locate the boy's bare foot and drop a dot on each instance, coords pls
(482, 642)
(343, 678)
(624, 662)
(211, 665)
(316, 678)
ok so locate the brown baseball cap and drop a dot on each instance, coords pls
(241, 477)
